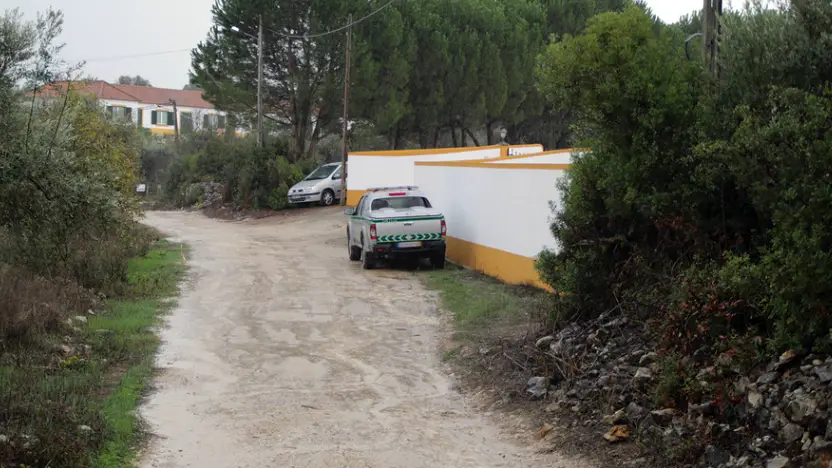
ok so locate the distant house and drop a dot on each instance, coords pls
(150, 108)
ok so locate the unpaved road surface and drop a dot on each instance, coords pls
(283, 353)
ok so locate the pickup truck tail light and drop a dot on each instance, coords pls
(444, 228)
(373, 235)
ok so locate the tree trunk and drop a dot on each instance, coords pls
(473, 138)
(489, 133)
(453, 136)
(436, 137)
(463, 135)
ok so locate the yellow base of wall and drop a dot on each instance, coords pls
(508, 267)
(353, 196)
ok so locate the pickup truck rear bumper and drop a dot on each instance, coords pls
(428, 249)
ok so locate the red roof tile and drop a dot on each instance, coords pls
(140, 94)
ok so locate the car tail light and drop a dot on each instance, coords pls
(373, 232)
(444, 228)
(397, 194)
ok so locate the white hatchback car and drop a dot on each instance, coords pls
(322, 185)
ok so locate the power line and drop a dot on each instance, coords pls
(337, 30)
(149, 54)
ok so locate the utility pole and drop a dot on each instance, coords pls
(260, 138)
(346, 129)
(175, 124)
(711, 16)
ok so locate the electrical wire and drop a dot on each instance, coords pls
(121, 57)
(337, 30)
(290, 36)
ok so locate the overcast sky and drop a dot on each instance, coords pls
(98, 31)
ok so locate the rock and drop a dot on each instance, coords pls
(544, 431)
(828, 434)
(704, 408)
(537, 386)
(84, 428)
(706, 374)
(643, 377)
(715, 457)
(755, 399)
(791, 433)
(616, 418)
(821, 446)
(545, 342)
(648, 359)
(552, 408)
(80, 319)
(824, 373)
(788, 358)
(767, 378)
(778, 462)
(663, 417)
(800, 408)
(4, 439)
(66, 349)
(741, 385)
(634, 412)
(617, 434)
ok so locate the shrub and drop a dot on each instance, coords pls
(703, 206)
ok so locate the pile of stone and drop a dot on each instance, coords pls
(605, 379)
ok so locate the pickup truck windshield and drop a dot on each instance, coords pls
(400, 203)
(321, 173)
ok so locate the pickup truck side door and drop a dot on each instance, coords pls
(356, 224)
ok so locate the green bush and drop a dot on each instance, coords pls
(704, 205)
(253, 177)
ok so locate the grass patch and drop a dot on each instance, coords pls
(68, 399)
(478, 301)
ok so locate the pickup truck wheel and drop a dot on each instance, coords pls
(355, 252)
(327, 198)
(367, 260)
(438, 261)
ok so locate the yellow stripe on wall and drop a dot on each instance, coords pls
(353, 196)
(508, 267)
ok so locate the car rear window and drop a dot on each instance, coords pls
(399, 203)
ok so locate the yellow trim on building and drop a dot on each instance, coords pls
(508, 267)
(162, 131)
(421, 152)
(485, 165)
(353, 196)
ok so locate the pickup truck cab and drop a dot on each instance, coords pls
(394, 222)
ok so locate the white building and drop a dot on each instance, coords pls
(150, 108)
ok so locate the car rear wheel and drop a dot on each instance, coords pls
(438, 261)
(355, 252)
(327, 198)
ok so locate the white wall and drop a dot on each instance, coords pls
(197, 112)
(367, 170)
(541, 158)
(502, 208)
(524, 149)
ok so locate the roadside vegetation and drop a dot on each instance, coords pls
(80, 280)
(694, 267)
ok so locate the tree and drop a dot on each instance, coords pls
(133, 80)
(303, 76)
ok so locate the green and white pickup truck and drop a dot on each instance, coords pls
(393, 222)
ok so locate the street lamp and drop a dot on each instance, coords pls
(503, 133)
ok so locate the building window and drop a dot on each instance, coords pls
(186, 120)
(161, 118)
(119, 112)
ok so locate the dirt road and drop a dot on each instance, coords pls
(283, 353)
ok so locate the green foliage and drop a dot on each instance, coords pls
(252, 177)
(703, 206)
(46, 398)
